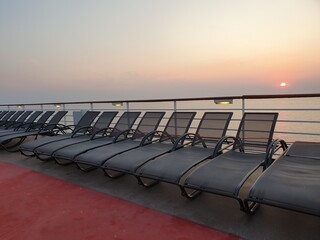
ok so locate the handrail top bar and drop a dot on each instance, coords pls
(178, 99)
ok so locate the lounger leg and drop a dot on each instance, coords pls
(40, 157)
(85, 167)
(189, 193)
(112, 174)
(31, 154)
(63, 162)
(146, 184)
(250, 206)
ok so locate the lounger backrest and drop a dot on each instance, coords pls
(44, 117)
(33, 116)
(15, 116)
(87, 119)
(212, 127)
(55, 120)
(256, 131)
(125, 122)
(7, 116)
(149, 122)
(23, 116)
(104, 120)
(178, 124)
(2, 114)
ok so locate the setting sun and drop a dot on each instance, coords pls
(283, 84)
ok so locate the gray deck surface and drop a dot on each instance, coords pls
(216, 212)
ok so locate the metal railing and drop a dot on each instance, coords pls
(299, 114)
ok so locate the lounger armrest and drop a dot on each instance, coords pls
(179, 143)
(148, 138)
(33, 126)
(103, 132)
(224, 143)
(125, 134)
(273, 147)
(58, 127)
(85, 130)
(22, 125)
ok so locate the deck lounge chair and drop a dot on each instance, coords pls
(83, 134)
(173, 166)
(99, 138)
(11, 119)
(292, 182)
(27, 149)
(31, 129)
(149, 149)
(225, 174)
(20, 123)
(149, 122)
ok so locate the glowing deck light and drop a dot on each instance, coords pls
(117, 104)
(223, 101)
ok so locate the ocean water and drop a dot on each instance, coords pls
(299, 118)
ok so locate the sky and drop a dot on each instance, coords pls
(79, 50)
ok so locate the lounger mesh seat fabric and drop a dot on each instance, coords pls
(130, 161)
(293, 181)
(225, 174)
(149, 122)
(85, 121)
(172, 166)
(103, 121)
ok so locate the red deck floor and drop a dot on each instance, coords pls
(35, 206)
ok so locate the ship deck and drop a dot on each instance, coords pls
(42, 200)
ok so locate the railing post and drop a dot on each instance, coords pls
(91, 106)
(175, 119)
(41, 107)
(65, 116)
(243, 105)
(128, 110)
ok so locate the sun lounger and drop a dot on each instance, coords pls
(225, 174)
(149, 149)
(20, 123)
(11, 119)
(85, 121)
(97, 156)
(31, 129)
(99, 138)
(205, 143)
(291, 182)
(45, 152)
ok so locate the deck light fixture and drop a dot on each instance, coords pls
(223, 101)
(117, 104)
(20, 106)
(57, 105)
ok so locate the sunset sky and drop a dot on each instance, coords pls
(74, 50)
